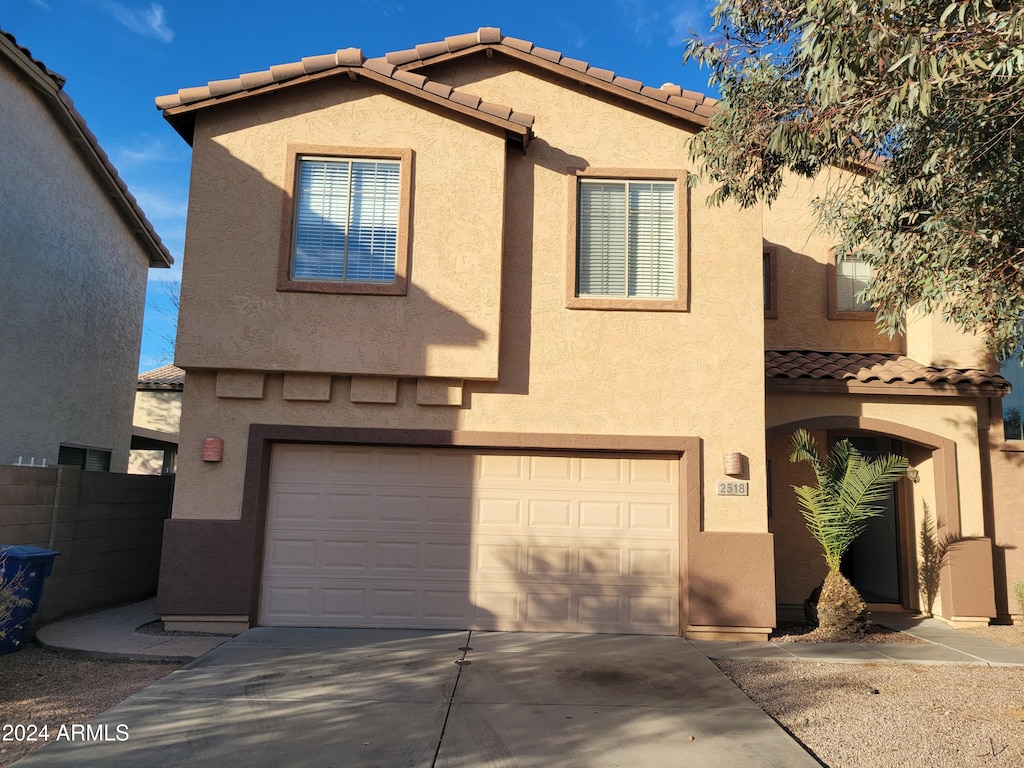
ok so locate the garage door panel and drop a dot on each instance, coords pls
(448, 539)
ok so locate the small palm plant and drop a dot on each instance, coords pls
(849, 492)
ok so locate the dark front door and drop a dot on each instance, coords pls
(872, 562)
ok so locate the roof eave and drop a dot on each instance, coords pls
(182, 118)
(701, 121)
(915, 389)
(65, 113)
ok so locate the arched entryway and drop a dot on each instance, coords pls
(883, 564)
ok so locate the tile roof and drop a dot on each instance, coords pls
(177, 106)
(399, 69)
(690, 105)
(166, 376)
(857, 370)
(51, 85)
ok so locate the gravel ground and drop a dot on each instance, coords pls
(40, 687)
(887, 715)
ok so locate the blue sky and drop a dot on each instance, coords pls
(118, 55)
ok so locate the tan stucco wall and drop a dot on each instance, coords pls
(232, 315)
(932, 341)
(159, 410)
(803, 251)
(695, 373)
(1008, 519)
(72, 289)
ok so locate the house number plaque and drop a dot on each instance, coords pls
(733, 488)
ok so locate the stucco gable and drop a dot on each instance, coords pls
(179, 108)
(669, 98)
(50, 86)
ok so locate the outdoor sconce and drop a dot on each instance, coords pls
(733, 464)
(913, 475)
(213, 449)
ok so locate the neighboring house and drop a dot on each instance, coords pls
(156, 421)
(465, 349)
(75, 250)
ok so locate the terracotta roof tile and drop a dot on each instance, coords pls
(289, 71)
(628, 83)
(699, 106)
(670, 97)
(458, 42)
(164, 375)
(679, 101)
(414, 79)
(654, 93)
(380, 66)
(224, 87)
(438, 89)
(465, 99)
(522, 118)
(74, 123)
(867, 368)
(314, 64)
(601, 74)
(349, 57)
(199, 93)
(495, 109)
(427, 50)
(250, 80)
(547, 54)
(577, 64)
(488, 35)
(514, 42)
(398, 58)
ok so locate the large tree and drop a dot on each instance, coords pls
(924, 100)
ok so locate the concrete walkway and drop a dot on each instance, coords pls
(111, 634)
(944, 645)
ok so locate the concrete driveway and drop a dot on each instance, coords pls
(386, 698)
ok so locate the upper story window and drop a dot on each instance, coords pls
(848, 278)
(1013, 403)
(348, 222)
(627, 236)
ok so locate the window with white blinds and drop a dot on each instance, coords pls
(626, 242)
(852, 277)
(346, 220)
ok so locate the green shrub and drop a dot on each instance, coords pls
(1018, 592)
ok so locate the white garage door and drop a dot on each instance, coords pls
(451, 539)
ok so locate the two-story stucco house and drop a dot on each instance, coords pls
(75, 251)
(465, 349)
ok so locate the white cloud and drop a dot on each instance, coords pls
(148, 22)
(650, 21)
(41, 4)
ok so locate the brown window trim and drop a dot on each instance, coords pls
(771, 312)
(834, 313)
(284, 268)
(678, 304)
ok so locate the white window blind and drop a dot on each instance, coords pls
(346, 222)
(852, 277)
(626, 239)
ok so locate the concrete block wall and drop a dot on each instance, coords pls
(108, 528)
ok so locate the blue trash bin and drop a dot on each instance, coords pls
(32, 565)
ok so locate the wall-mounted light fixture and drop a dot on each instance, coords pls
(733, 464)
(213, 449)
(913, 475)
